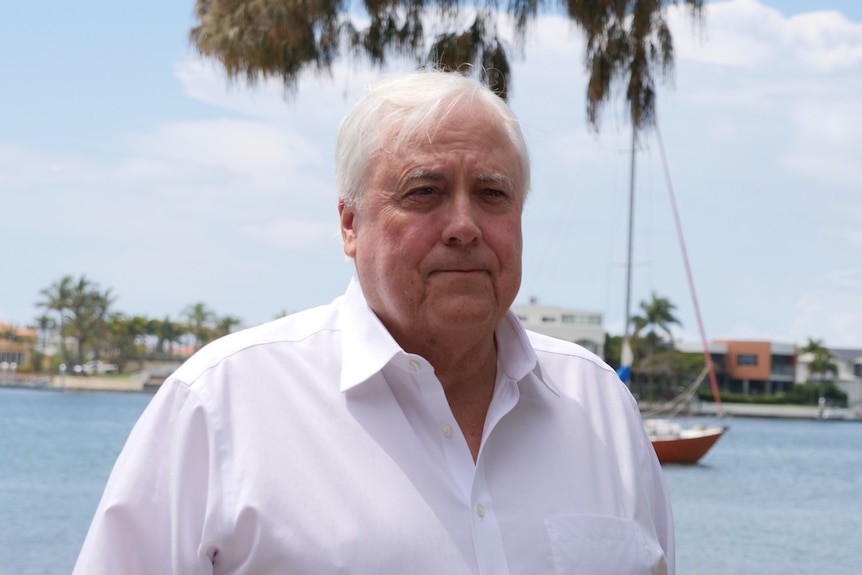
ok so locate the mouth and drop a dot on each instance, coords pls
(459, 274)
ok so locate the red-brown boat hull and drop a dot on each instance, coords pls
(686, 449)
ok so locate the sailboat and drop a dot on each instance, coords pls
(672, 442)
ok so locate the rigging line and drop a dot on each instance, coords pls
(706, 354)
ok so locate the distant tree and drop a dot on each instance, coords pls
(225, 324)
(628, 42)
(656, 315)
(88, 309)
(656, 318)
(45, 324)
(167, 333)
(822, 361)
(127, 335)
(199, 320)
(57, 297)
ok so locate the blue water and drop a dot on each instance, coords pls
(772, 497)
(56, 451)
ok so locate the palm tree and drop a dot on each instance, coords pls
(100, 304)
(627, 42)
(199, 317)
(57, 297)
(127, 335)
(657, 316)
(80, 321)
(167, 333)
(225, 324)
(821, 364)
(44, 325)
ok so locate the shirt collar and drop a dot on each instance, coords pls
(515, 353)
(367, 346)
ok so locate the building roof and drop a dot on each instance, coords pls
(848, 355)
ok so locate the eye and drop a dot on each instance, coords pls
(494, 195)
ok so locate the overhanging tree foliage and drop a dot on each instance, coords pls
(628, 42)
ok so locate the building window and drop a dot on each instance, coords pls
(548, 319)
(746, 359)
(582, 318)
(16, 357)
(522, 317)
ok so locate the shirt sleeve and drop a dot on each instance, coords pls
(152, 517)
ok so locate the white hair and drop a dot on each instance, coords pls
(413, 104)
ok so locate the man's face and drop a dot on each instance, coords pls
(437, 236)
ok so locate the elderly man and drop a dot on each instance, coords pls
(412, 426)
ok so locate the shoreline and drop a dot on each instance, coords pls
(766, 411)
(139, 383)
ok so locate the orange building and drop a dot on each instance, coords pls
(16, 345)
(759, 366)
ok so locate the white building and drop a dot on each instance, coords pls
(577, 326)
(848, 377)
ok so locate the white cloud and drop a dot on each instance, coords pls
(748, 34)
(827, 138)
(834, 316)
(296, 235)
(257, 156)
(739, 34)
(825, 40)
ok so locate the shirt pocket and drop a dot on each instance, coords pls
(602, 545)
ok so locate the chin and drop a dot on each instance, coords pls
(457, 316)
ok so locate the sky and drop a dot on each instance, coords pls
(127, 158)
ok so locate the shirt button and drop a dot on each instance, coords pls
(446, 430)
(413, 365)
(480, 510)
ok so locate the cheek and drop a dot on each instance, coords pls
(507, 243)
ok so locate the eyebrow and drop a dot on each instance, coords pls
(499, 179)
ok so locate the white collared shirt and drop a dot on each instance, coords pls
(315, 445)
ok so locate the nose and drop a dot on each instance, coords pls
(462, 226)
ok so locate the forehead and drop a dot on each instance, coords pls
(469, 132)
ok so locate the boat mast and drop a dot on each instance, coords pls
(626, 356)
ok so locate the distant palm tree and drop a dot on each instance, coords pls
(44, 325)
(57, 297)
(822, 363)
(167, 333)
(127, 335)
(199, 319)
(657, 316)
(225, 324)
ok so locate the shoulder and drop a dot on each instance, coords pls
(311, 327)
(575, 371)
(555, 350)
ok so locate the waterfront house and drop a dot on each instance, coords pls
(575, 325)
(848, 375)
(750, 367)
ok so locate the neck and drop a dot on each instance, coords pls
(467, 371)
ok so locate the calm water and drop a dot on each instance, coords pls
(773, 497)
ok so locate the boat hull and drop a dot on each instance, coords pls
(687, 446)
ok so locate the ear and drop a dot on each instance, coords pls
(347, 215)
